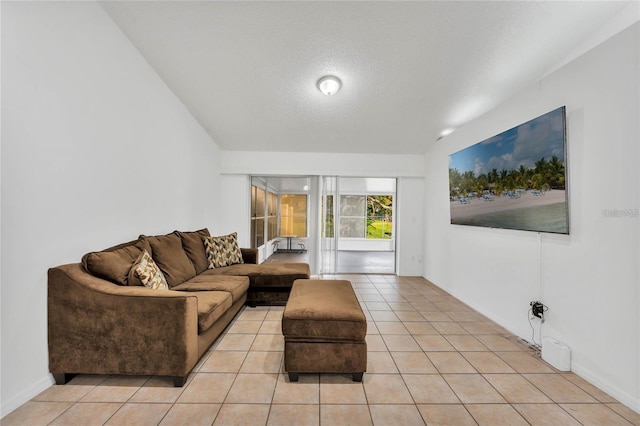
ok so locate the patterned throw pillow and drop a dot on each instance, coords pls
(149, 273)
(223, 251)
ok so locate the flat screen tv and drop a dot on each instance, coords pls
(514, 180)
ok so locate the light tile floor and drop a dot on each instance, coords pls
(432, 360)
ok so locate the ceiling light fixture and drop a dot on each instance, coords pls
(329, 85)
(445, 132)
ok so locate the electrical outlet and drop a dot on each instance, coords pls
(537, 309)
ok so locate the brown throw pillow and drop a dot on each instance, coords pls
(149, 273)
(213, 253)
(113, 265)
(193, 245)
(168, 254)
(223, 251)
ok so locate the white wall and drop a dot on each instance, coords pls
(588, 279)
(322, 164)
(236, 211)
(410, 226)
(95, 150)
(366, 244)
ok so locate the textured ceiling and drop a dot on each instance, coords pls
(247, 71)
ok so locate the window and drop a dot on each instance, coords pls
(366, 216)
(293, 214)
(329, 227)
(352, 216)
(257, 216)
(379, 216)
(272, 216)
(253, 216)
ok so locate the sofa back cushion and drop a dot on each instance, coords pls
(193, 245)
(112, 265)
(168, 254)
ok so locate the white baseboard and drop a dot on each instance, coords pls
(626, 399)
(26, 395)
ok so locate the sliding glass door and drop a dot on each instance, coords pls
(336, 224)
(328, 234)
(365, 225)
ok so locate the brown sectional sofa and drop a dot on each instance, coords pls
(102, 320)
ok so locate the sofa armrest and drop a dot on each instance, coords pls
(250, 255)
(97, 327)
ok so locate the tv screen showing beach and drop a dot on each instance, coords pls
(514, 180)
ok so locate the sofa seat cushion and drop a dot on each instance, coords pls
(324, 310)
(236, 286)
(167, 252)
(266, 274)
(211, 306)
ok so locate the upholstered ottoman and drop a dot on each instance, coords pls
(324, 330)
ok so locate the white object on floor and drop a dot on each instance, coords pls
(556, 353)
